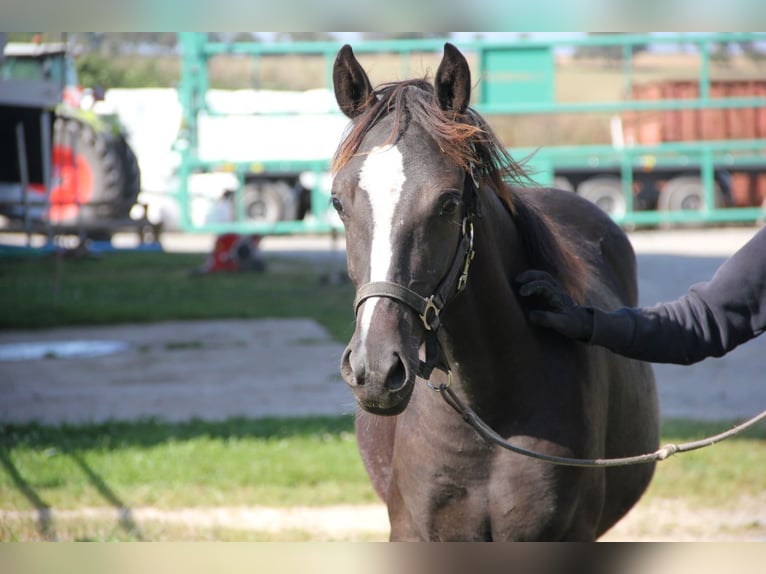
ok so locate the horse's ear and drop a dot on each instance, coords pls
(350, 81)
(453, 81)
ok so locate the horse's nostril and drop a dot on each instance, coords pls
(397, 375)
(353, 376)
(387, 373)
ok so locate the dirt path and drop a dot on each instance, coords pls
(658, 520)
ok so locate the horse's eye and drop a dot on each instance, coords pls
(450, 206)
(336, 204)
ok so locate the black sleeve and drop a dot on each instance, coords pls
(709, 321)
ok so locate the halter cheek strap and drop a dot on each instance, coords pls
(429, 308)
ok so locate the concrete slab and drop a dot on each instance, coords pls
(176, 371)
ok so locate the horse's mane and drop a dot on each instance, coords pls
(469, 142)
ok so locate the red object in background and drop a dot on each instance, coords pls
(234, 252)
(651, 127)
(72, 96)
(72, 184)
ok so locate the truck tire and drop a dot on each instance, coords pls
(87, 175)
(131, 178)
(685, 193)
(270, 201)
(606, 192)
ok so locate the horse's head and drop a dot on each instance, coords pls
(400, 190)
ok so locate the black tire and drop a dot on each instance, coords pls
(131, 178)
(103, 198)
(606, 192)
(686, 193)
(270, 201)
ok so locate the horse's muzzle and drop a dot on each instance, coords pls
(382, 384)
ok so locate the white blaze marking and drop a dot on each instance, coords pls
(382, 177)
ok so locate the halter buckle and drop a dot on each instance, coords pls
(430, 315)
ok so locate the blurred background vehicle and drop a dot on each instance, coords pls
(234, 133)
(69, 165)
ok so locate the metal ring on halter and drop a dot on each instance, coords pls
(441, 387)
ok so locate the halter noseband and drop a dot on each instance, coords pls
(455, 280)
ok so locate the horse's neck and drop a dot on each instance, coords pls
(499, 242)
(487, 324)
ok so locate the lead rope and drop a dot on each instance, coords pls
(486, 432)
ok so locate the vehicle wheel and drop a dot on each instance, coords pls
(686, 193)
(269, 202)
(86, 170)
(606, 192)
(131, 179)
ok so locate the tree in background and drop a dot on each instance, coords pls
(612, 55)
(402, 35)
(304, 37)
(722, 51)
(752, 51)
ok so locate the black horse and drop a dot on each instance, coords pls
(435, 236)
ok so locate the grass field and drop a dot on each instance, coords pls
(145, 287)
(271, 462)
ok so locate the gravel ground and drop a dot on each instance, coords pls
(176, 371)
(658, 520)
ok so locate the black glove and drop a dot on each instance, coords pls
(550, 306)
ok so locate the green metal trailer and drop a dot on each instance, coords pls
(689, 177)
(680, 178)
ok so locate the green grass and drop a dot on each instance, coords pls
(281, 462)
(267, 462)
(147, 287)
(273, 462)
(714, 476)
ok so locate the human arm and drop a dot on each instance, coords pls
(710, 320)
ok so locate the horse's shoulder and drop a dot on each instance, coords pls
(594, 235)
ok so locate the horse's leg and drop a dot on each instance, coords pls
(375, 436)
(402, 528)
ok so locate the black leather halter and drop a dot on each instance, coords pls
(429, 308)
